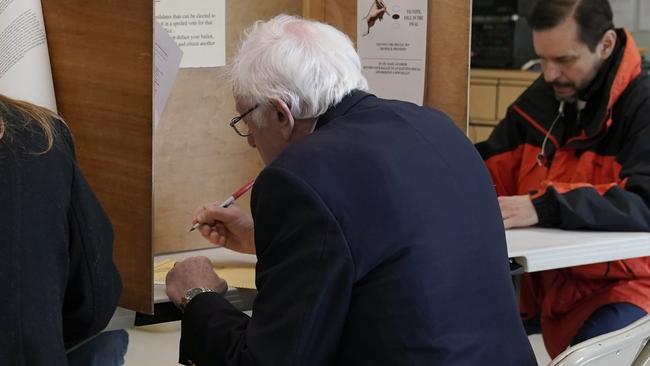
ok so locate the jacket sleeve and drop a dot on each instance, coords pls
(623, 205)
(94, 285)
(304, 277)
(502, 153)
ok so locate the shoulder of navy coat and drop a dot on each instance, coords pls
(401, 258)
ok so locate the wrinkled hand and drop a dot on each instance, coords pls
(230, 227)
(190, 273)
(517, 211)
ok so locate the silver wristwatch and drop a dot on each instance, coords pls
(189, 295)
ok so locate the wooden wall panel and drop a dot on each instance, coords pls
(101, 56)
(314, 9)
(447, 74)
(197, 157)
(447, 84)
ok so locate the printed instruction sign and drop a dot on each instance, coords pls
(392, 44)
(198, 27)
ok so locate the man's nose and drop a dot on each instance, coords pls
(551, 73)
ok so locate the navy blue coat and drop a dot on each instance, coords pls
(57, 278)
(379, 242)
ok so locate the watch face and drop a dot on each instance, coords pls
(193, 292)
(189, 295)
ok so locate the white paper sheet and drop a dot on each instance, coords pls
(392, 44)
(167, 57)
(25, 71)
(624, 11)
(198, 27)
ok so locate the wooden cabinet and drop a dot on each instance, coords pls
(482, 101)
(479, 133)
(491, 93)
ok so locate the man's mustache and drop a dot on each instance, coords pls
(562, 85)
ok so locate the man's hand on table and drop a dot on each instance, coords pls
(191, 273)
(517, 211)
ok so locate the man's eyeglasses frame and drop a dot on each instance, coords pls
(234, 121)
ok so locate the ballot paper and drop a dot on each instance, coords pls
(25, 71)
(236, 276)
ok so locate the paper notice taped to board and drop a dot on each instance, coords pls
(392, 40)
(198, 27)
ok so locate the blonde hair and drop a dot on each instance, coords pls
(40, 115)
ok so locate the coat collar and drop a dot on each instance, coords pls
(342, 107)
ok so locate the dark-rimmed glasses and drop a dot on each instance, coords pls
(242, 129)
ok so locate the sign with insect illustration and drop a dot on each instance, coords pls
(392, 43)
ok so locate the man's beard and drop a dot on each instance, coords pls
(569, 98)
(580, 90)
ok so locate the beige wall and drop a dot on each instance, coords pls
(197, 157)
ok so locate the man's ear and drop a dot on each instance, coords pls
(607, 44)
(283, 117)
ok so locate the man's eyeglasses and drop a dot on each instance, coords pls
(241, 128)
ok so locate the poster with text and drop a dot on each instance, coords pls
(392, 43)
(198, 27)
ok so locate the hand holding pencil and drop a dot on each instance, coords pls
(230, 200)
(226, 225)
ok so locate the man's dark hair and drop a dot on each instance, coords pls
(594, 17)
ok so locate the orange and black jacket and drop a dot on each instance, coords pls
(594, 171)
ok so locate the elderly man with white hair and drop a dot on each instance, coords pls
(375, 224)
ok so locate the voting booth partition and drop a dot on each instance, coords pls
(151, 179)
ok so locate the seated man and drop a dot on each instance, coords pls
(376, 227)
(573, 152)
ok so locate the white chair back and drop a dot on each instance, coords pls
(643, 359)
(625, 347)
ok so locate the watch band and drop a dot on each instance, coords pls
(190, 294)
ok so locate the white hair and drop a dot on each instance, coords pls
(309, 65)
